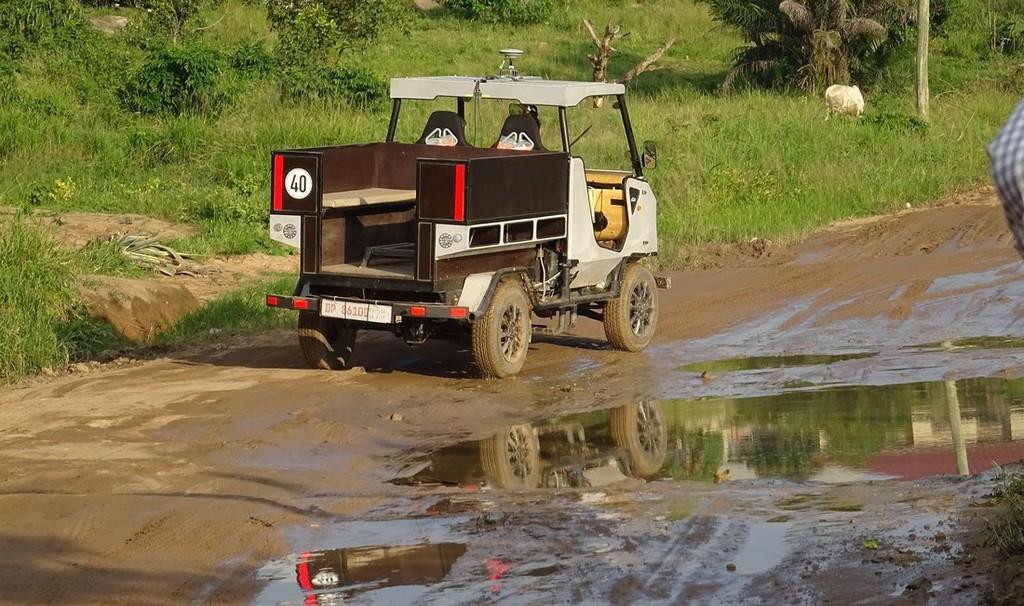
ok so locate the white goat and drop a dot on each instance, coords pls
(844, 100)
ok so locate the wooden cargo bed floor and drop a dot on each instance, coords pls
(390, 270)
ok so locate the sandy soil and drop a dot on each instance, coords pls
(174, 479)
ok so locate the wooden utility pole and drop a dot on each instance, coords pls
(923, 34)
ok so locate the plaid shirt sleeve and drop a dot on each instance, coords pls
(1007, 154)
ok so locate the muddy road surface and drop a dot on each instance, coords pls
(818, 422)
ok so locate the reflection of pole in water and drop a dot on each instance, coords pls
(958, 433)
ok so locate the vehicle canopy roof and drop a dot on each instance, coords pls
(528, 91)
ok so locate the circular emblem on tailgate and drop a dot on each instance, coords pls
(445, 240)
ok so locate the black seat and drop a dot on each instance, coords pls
(520, 132)
(444, 128)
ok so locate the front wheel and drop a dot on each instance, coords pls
(630, 318)
(501, 336)
(326, 343)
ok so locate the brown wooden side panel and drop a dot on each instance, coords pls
(310, 245)
(391, 165)
(425, 251)
(523, 186)
(461, 267)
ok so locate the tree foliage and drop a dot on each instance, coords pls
(809, 43)
(312, 34)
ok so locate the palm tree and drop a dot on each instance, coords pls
(810, 43)
(836, 34)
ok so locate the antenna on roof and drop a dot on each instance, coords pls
(508, 68)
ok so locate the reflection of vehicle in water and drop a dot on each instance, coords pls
(583, 450)
(373, 567)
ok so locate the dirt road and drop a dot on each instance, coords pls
(823, 425)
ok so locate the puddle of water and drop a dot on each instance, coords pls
(837, 435)
(765, 548)
(767, 362)
(389, 562)
(389, 574)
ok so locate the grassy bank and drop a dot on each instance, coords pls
(45, 326)
(731, 166)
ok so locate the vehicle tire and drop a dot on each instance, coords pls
(631, 318)
(326, 343)
(511, 458)
(640, 430)
(501, 337)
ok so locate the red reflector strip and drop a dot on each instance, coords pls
(418, 311)
(460, 192)
(300, 304)
(302, 573)
(458, 312)
(272, 301)
(278, 183)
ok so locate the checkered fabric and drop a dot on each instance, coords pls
(1007, 154)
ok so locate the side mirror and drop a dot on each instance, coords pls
(650, 155)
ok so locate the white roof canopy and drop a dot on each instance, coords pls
(529, 91)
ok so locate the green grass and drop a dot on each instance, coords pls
(43, 323)
(1007, 531)
(731, 167)
(238, 312)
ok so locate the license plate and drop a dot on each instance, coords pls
(350, 310)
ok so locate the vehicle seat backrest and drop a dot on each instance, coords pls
(521, 132)
(444, 128)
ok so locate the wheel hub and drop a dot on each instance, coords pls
(641, 309)
(648, 428)
(517, 447)
(510, 332)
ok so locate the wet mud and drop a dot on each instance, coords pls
(820, 424)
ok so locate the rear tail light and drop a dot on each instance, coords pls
(418, 311)
(272, 301)
(300, 304)
(458, 313)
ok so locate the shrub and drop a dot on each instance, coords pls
(178, 81)
(172, 16)
(509, 12)
(359, 87)
(349, 21)
(252, 59)
(312, 33)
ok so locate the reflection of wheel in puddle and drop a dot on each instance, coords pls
(640, 429)
(511, 458)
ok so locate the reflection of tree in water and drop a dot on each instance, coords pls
(771, 452)
(698, 456)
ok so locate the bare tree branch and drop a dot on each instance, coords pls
(647, 64)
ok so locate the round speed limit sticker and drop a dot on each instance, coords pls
(298, 183)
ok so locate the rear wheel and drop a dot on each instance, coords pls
(501, 336)
(511, 459)
(640, 429)
(326, 343)
(630, 318)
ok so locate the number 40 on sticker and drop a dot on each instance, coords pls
(298, 183)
